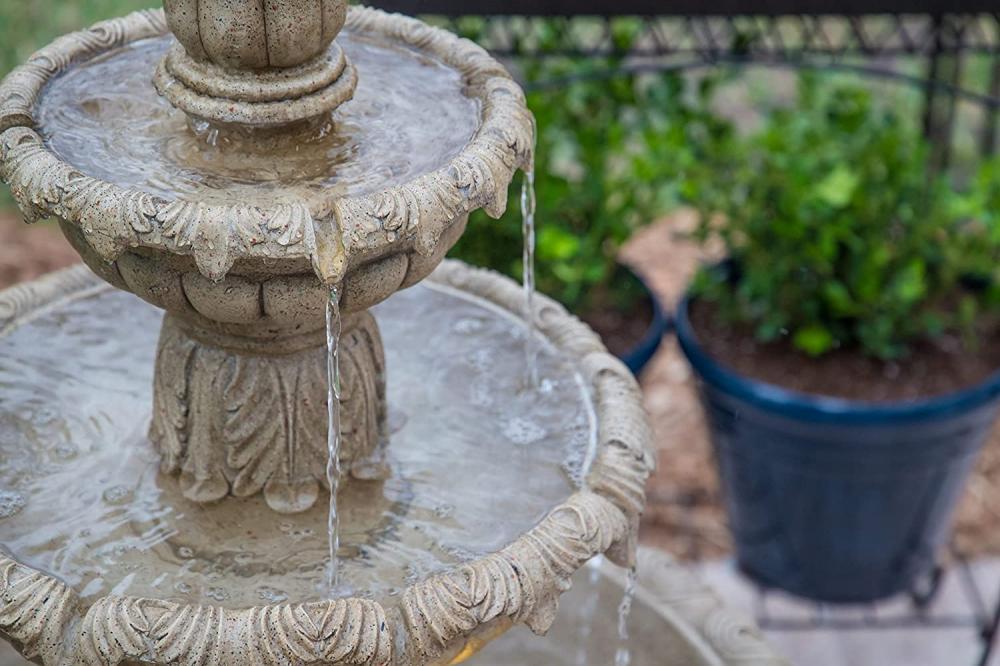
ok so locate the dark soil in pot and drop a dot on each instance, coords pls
(621, 330)
(630, 320)
(932, 368)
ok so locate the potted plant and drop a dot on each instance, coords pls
(847, 348)
(602, 145)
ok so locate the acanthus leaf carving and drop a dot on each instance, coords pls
(398, 209)
(111, 219)
(245, 424)
(35, 610)
(246, 224)
(351, 632)
(34, 175)
(294, 222)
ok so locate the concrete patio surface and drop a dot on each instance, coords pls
(873, 643)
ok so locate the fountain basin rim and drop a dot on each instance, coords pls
(722, 635)
(520, 583)
(412, 215)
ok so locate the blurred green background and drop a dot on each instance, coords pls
(27, 25)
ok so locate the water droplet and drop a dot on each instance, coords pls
(185, 552)
(468, 325)
(481, 360)
(481, 395)
(522, 431)
(271, 595)
(183, 588)
(66, 451)
(117, 494)
(11, 503)
(444, 510)
(46, 415)
(217, 594)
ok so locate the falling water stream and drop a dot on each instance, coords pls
(528, 271)
(623, 656)
(333, 429)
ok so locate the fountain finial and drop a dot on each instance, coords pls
(259, 63)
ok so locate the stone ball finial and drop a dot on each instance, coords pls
(255, 34)
(263, 63)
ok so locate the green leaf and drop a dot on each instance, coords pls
(556, 243)
(839, 299)
(909, 285)
(838, 187)
(813, 340)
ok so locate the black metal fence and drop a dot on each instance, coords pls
(877, 38)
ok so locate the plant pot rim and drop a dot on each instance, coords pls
(819, 408)
(638, 356)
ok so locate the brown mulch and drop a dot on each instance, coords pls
(684, 513)
(29, 251)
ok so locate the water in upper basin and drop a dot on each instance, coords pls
(409, 116)
(476, 459)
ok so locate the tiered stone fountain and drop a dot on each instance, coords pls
(273, 165)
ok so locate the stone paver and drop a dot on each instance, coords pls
(872, 646)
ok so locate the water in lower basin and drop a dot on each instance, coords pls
(475, 461)
(409, 116)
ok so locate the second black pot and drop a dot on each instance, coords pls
(837, 500)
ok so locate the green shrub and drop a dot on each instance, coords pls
(609, 156)
(841, 237)
(588, 201)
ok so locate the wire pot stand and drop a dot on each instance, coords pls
(913, 609)
(874, 39)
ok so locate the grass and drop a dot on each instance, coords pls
(28, 25)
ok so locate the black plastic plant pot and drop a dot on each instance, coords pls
(642, 350)
(837, 500)
(639, 356)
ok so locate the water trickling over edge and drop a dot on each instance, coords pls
(528, 272)
(333, 327)
(623, 656)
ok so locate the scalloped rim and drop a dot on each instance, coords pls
(411, 215)
(521, 583)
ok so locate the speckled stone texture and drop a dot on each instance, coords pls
(253, 63)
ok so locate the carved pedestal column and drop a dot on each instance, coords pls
(233, 415)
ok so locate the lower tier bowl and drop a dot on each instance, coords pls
(499, 490)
